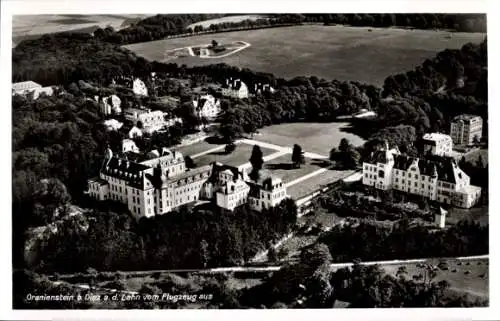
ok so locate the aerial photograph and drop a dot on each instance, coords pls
(250, 161)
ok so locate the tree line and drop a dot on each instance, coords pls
(161, 26)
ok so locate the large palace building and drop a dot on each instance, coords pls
(158, 182)
(435, 177)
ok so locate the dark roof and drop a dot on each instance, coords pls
(233, 84)
(441, 166)
(125, 170)
(265, 182)
(218, 167)
(378, 156)
(99, 180)
(428, 142)
(464, 117)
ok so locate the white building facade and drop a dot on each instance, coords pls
(151, 120)
(235, 89)
(158, 182)
(465, 129)
(437, 178)
(139, 87)
(28, 87)
(207, 106)
(437, 144)
(110, 105)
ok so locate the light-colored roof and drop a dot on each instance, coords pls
(436, 136)
(25, 85)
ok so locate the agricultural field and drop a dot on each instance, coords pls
(366, 55)
(31, 26)
(313, 137)
(465, 277)
(229, 19)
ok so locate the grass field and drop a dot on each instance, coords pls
(311, 184)
(474, 283)
(282, 167)
(239, 157)
(195, 148)
(330, 52)
(313, 137)
(28, 26)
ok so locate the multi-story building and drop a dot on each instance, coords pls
(207, 106)
(27, 87)
(158, 182)
(466, 129)
(109, 105)
(128, 145)
(151, 120)
(235, 88)
(260, 88)
(437, 178)
(437, 144)
(265, 193)
(139, 87)
(112, 124)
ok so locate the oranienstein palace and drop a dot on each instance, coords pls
(159, 182)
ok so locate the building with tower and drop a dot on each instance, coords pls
(158, 182)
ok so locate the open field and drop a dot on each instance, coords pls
(282, 167)
(230, 19)
(313, 137)
(330, 52)
(239, 157)
(196, 148)
(29, 26)
(474, 283)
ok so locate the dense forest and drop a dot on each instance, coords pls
(200, 238)
(370, 242)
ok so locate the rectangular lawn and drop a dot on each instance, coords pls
(311, 184)
(312, 137)
(282, 168)
(196, 148)
(239, 157)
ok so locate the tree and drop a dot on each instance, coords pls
(272, 255)
(256, 160)
(352, 158)
(230, 147)
(214, 44)
(204, 253)
(319, 288)
(344, 145)
(315, 256)
(189, 162)
(297, 155)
